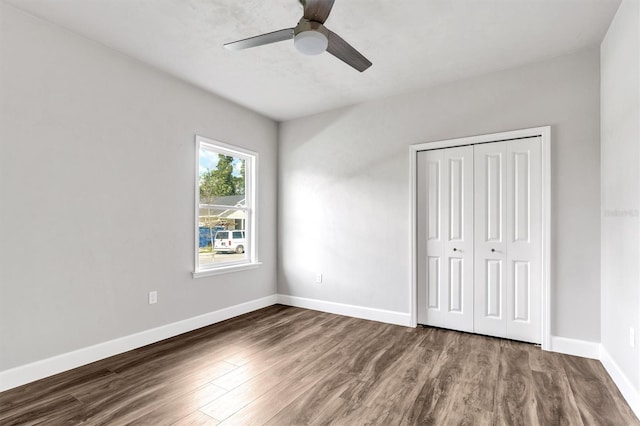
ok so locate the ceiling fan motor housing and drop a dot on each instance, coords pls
(310, 38)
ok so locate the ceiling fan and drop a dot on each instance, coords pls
(310, 36)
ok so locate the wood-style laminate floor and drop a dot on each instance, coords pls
(290, 366)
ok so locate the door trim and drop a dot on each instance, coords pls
(545, 133)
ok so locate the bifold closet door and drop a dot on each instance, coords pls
(508, 237)
(445, 238)
(480, 238)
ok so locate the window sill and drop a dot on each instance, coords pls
(225, 269)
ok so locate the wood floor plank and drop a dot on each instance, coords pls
(282, 365)
(196, 419)
(255, 363)
(367, 366)
(318, 356)
(393, 398)
(515, 398)
(430, 404)
(335, 397)
(555, 403)
(128, 398)
(224, 340)
(179, 409)
(40, 412)
(377, 390)
(23, 399)
(438, 393)
(597, 398)
(473, 398)
(266, 406)
(316, 402)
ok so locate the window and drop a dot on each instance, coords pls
(225, 208)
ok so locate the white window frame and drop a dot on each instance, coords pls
(251, 229)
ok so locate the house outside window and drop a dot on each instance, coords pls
(225, 237)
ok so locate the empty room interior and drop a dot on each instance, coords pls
(219, 212)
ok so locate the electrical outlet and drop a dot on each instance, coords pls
(153, 297)
(319, 277)
(632, 337)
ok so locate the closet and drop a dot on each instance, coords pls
(479, 238)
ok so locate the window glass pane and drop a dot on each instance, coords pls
(222, 179)
(222, 210)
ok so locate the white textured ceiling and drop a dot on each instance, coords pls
(413, 44)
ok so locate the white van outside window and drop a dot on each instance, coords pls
(229, 241)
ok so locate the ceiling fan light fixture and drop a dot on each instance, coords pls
(310, 42)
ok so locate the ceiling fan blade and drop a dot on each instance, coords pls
(346, 53)
(274, 37)
(317, 10)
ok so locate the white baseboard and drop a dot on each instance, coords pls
(47, 367)
(575, 347)
(628, 391)
(381, 315)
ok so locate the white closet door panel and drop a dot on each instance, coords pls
(434, 167)
(493, 200)
(429, 238)
(524, 240)
(522, 291)
(455, 192)
(490, 212)
(433, 282)
(456, 280)
(445, 238)
(494, 288)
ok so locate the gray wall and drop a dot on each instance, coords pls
(620, 67)
(344, 190)
(96, 189)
